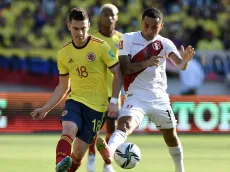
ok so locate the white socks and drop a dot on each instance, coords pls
(177, 155)
(117, 138)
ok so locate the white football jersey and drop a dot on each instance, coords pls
(149, 84)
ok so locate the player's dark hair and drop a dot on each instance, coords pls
(153, 13)
(78, 14)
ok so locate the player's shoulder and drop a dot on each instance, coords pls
(118, 33)
(163, 39)
(95, 32)
(97, 40)
(131, 35)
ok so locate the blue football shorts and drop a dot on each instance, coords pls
(88, 121)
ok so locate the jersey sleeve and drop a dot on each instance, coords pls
(108, 56)
(124, 45)
(63, 70)
(170, 48)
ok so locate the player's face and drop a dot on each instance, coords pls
(108, 17)
(79, 30)
(150, 27)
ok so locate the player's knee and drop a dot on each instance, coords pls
(71, 131)
(126, 125)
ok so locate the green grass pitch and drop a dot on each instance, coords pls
(36, 153)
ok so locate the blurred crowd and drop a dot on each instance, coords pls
(40, 24)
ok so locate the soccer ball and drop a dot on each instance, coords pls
(127, 155)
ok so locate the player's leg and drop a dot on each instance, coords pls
(79, 149)
(91, 156)
(131, 115)
(93, 122)
(126, 125)
(63, 150)
(110, 128)
(70, 123)
(174, 147)
(165, 121)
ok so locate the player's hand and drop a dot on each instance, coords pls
(39, 114)
(113, 110)
(188, 53)
(153, 61)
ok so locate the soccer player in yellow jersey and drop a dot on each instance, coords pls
(106, 32)
(82, 66)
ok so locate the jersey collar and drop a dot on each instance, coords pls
(83, 46)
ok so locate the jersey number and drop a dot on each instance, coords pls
(82, 72)
(169, 114)
(96, 125)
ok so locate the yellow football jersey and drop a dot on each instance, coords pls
(86, 67)
(113, 43)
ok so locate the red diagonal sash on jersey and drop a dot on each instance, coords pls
(152, 49)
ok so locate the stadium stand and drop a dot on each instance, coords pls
(32, 32)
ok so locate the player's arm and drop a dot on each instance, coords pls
(59, 93)
(117, 79)
(111, 61)
(181, 61)
(127, 67)
(117, 83)
(63, 85)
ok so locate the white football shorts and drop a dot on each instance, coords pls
(159, 112)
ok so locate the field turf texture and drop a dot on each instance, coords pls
(36, 153)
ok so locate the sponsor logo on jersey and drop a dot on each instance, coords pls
(64, 113)
(91, 57)
(156, 45)
(138, 44)
(111, 54)
(121, 45)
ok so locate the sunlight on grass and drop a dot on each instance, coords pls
(203, 153)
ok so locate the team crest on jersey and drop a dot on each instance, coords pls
(64, 113)
(91, 57)
(156, 45)
(120, 45)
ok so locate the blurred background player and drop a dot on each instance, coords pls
(146, 82)
(106, 32)
(82, 64)
(196, 75)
